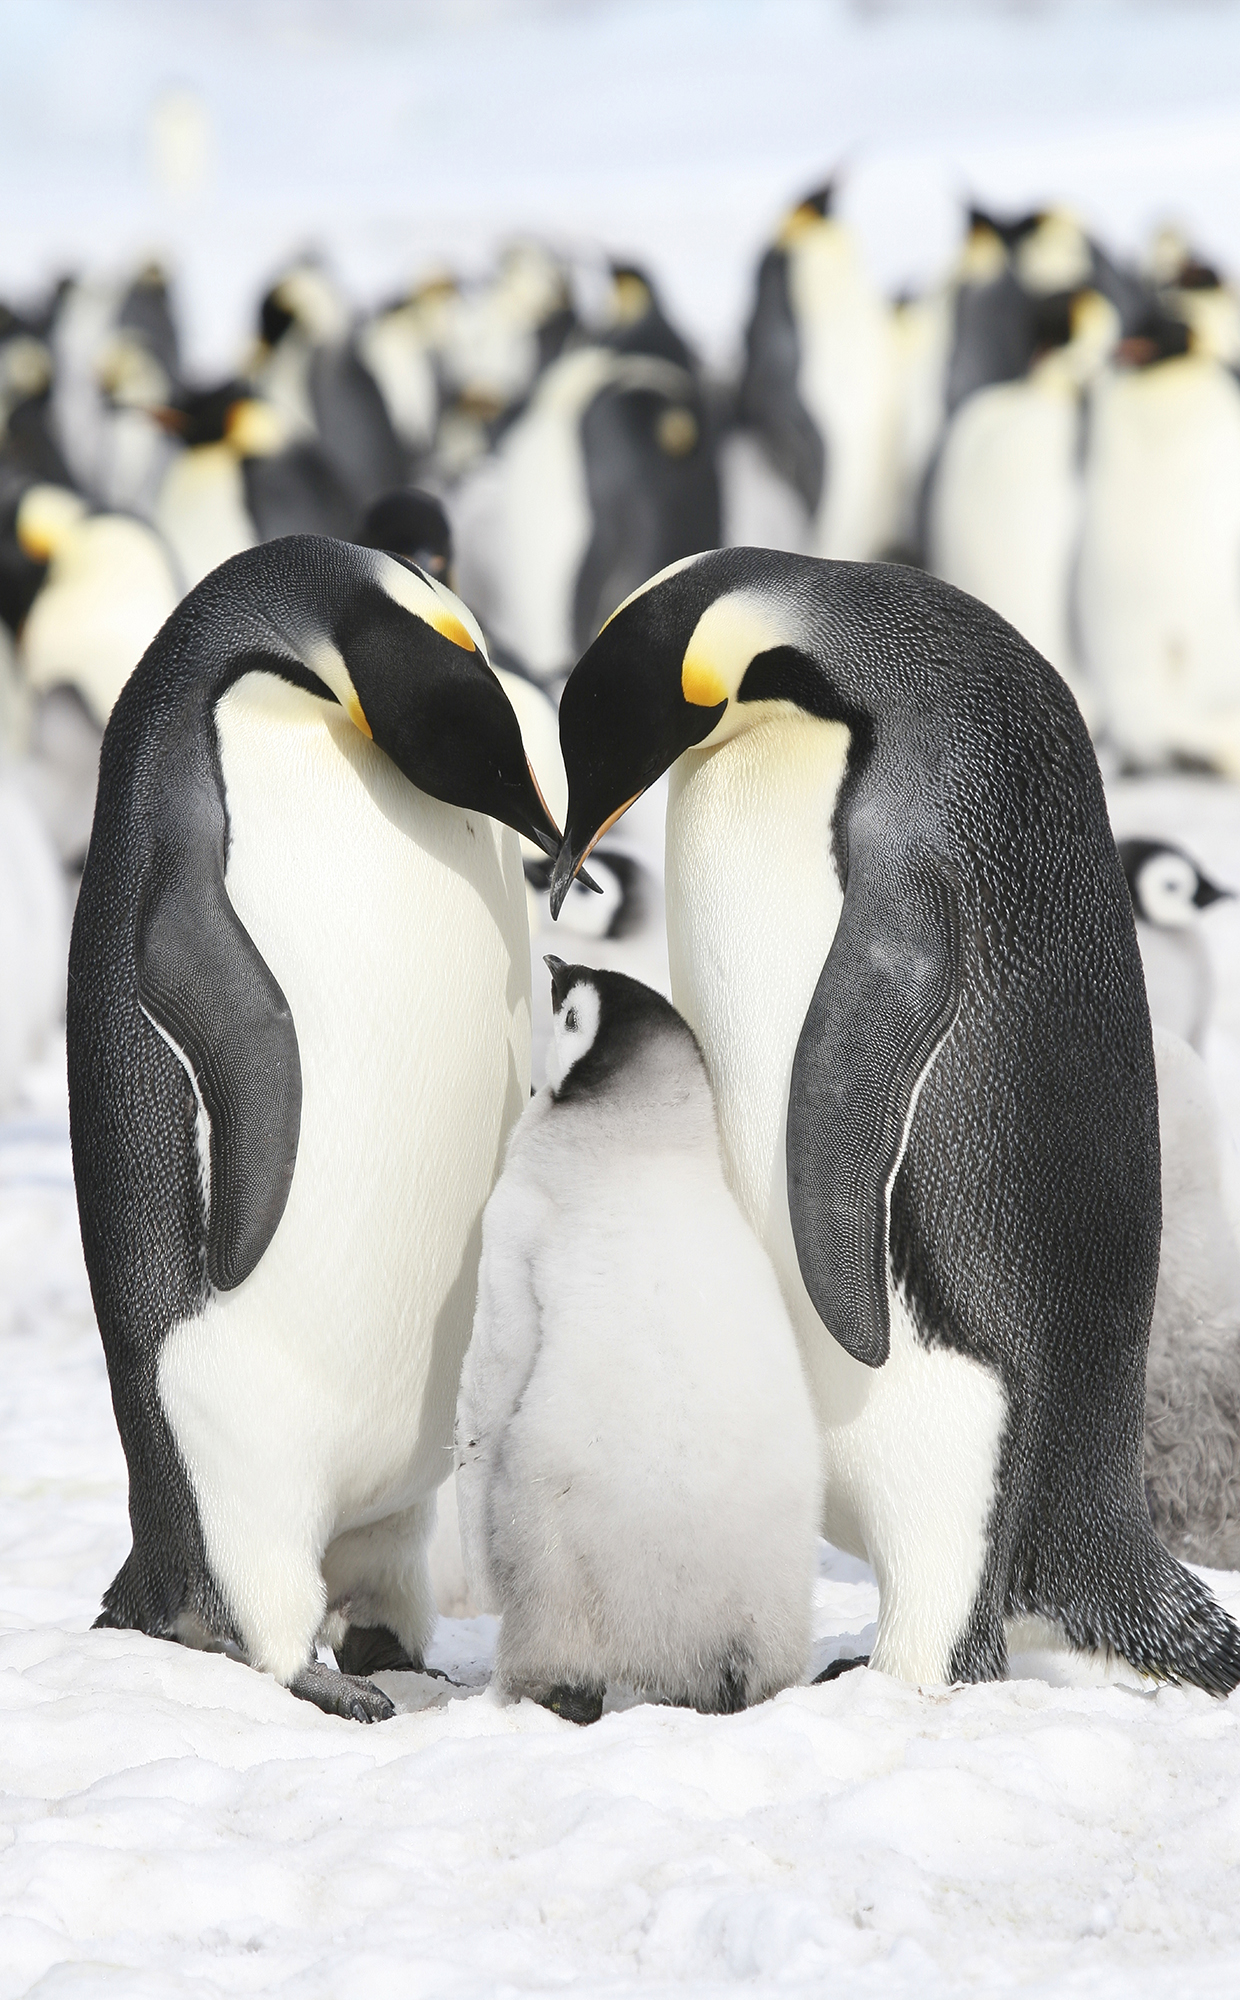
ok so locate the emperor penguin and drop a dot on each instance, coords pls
(298, 1033)
(110, 583)
(1192, 1377)
(248, 473)
(898, 926)
(309, 366)
(1158, 580)
(1169, 893)
(637, 1461)
(607, 474)
(1005, 502)
(820, 380)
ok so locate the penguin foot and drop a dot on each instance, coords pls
(728, 1696)
(838, 1667)
(341, 1694)
(575, 1704)
(373, 1649)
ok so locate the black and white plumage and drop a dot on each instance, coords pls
(1169, 893)
(819, 384)
(247, 474)
(311, 367)
(637, 1468)
(607, 473)
(298, 1032)
(899, 927)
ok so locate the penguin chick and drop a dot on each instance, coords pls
(1169, 892)
(1192, 1378)
(637, 1470)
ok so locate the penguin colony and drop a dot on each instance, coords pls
(1018, 431)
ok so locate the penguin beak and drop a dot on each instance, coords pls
(539, 826)
(571, 856)
(1207, 893)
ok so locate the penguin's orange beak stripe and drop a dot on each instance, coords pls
(451, 627)
(605, 828)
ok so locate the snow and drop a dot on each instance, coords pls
(172, 1823)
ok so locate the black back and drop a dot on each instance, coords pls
(653, 486)
(768, 401)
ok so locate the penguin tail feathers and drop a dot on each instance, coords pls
(1153, 1613)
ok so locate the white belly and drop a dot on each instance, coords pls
(1159, 583)
(753, 900)
(319, 1395)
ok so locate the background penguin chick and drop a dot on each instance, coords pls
(1192, 1384)
(1169, 892)
(637, 1469)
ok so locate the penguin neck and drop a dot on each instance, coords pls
(753, 900)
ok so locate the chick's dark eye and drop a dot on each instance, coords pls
(570, 1021)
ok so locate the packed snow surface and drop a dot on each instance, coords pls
(177, 1824)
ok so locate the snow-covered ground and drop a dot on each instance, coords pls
(172, 1823)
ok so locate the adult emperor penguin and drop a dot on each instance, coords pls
(899, 927)
(819, 386)
(298, 1032)
(1004, 507)
(1158, 577)
(637, 1469)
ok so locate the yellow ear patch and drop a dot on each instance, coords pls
(450, 626)
(700, 683)
(357, 716)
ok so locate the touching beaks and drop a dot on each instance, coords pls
(568, 864)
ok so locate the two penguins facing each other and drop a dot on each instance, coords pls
(637, 1461)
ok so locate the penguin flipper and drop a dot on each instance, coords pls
(203, 982)
(885, 999)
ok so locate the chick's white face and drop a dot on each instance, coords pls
(1166, 886)
(574, 1029)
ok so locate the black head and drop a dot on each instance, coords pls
(201, 416)
(820, 201)
(679, 664)
(603, 1023)
(408, 662)
(275, 317)
(1160, 335)
(412, 524)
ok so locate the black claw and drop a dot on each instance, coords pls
(373, 1649)
(575, 1704)
(838, 1667)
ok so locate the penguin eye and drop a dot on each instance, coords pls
(570, 1021)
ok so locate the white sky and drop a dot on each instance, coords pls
(395, 135)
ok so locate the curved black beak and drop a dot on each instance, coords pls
(568, 862)
(539, 825)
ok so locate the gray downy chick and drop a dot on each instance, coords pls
(637, 1463)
